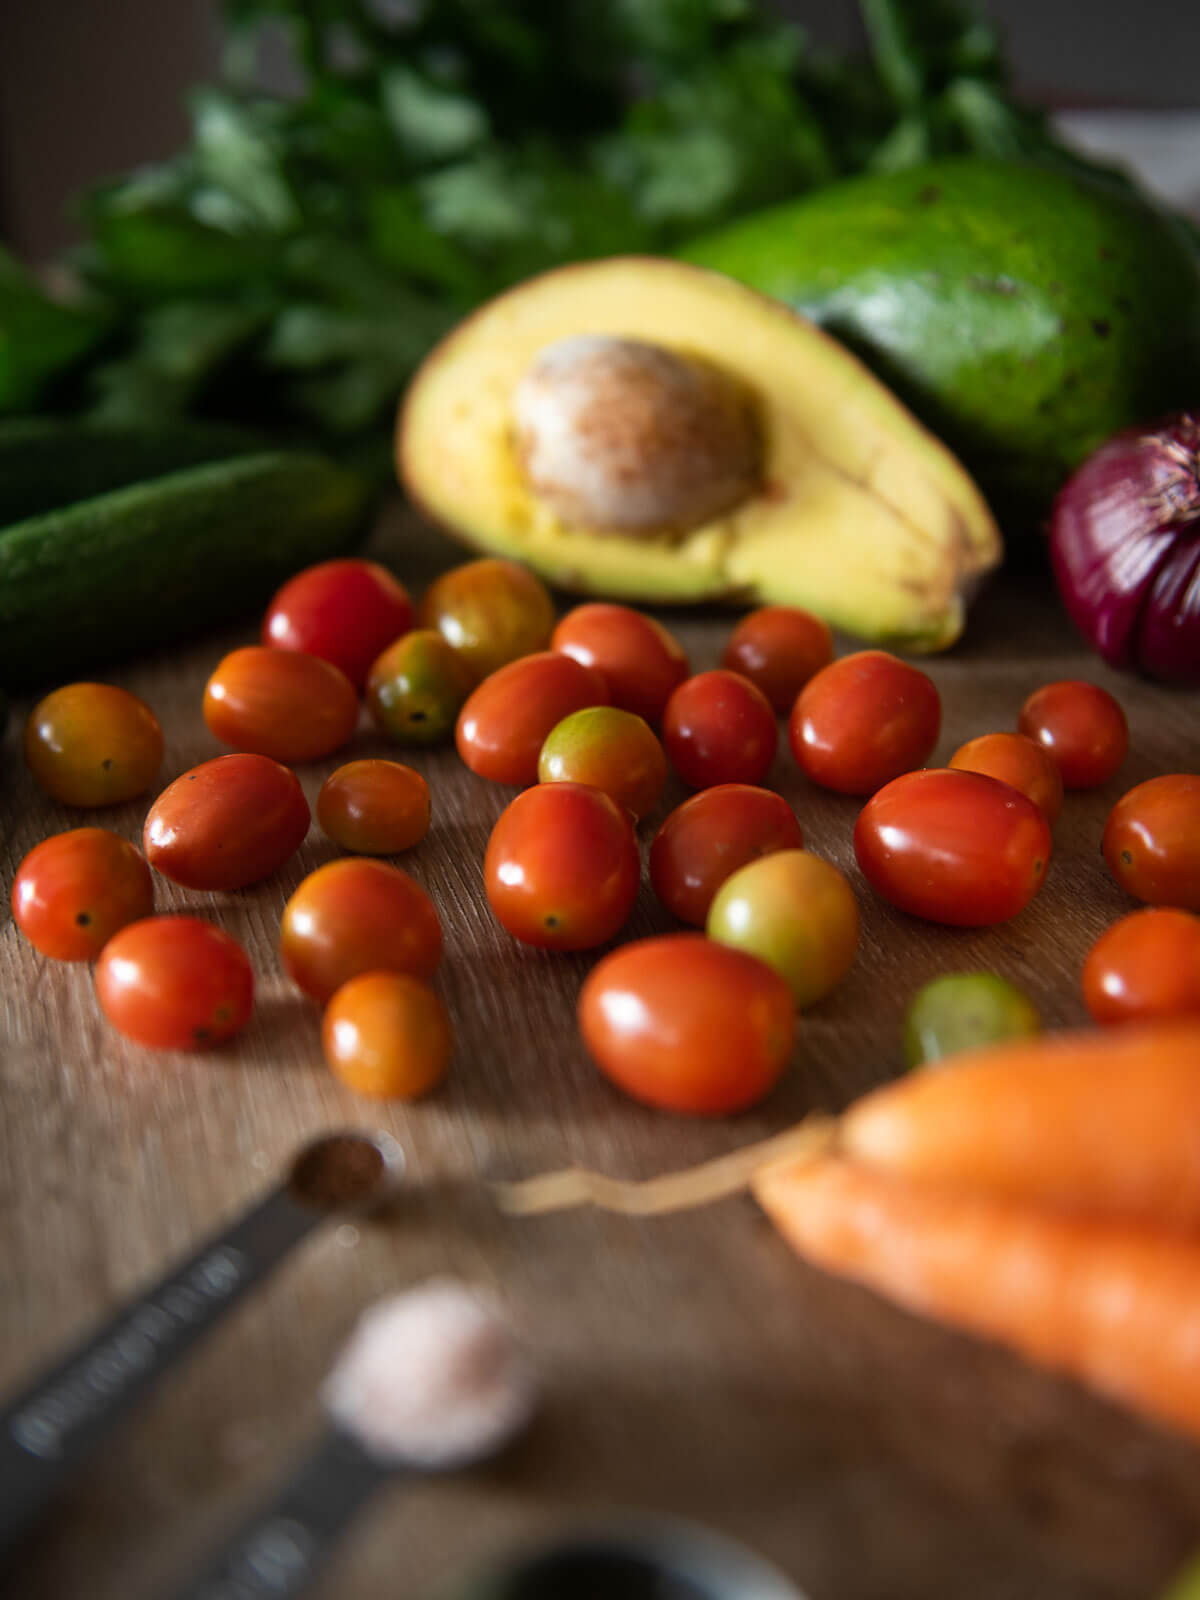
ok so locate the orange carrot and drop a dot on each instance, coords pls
(1115, 1306)
(1103, 1122)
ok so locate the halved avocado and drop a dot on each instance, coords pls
(853, 511)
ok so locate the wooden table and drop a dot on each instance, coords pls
(691, 1364)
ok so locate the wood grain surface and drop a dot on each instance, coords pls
(691, 1364)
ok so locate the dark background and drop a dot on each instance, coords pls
(92, 87)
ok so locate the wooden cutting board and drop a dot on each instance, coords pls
(691, 1364)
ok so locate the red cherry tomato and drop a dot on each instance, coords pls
(1145, 966)
(91, 744)
(953, 847)
(345, 611)
(491, 611)
(175, 983)
(688, 1025)
(387, 1035)
(1017, 760)
(280, 703)
(607, 749)
(718, 728)
(504, 724)
(562, 867)
(374, 808)
(779, 648)
(641, 662)
(357, 915)
(707, 838)
(1152, 841)
(1082, 727)
(75, 890)
(226, 823)
(864, 720)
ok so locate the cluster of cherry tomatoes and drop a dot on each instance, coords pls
(585, 715)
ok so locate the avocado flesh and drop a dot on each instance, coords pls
(1025, 314)
(864, 517)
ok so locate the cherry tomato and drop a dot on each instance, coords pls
(91, 744)
(562, 867)
(864, 720)
(1015, 759)
(795, 912)
(1145, 966)
(1082, 727)
(387, 1035)
(226, 823)
(1152, 841)
(953, 847)
(963, 1011)
(175, 983)
(356, 915)
(718, 728)
(611, 750)
(491, 611)
(503, 726)
(685, 1024)
(706, 839)
(779, 648)
(374, 808)
(417, 687)
(280, 703)
(344, 611)
(641, 662)
(75, 890)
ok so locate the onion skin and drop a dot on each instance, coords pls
(1125, 546)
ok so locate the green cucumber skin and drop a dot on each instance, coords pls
(142, 567)
(1024, 314)
(47, 462)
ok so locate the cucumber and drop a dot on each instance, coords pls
(46, 462)
(145, 565)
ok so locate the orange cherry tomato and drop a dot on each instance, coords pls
(175, 983)
(280, 703)
(864, 720)
(353, 916)
(1018, 760)
(345, 611)
(491, 611)
(1082, 727)
(1145, 966)
(75, 890)
(1152, 841)
(779, 648)
(607, 749)
(504, 724)
(641, 662)
(953, 847)
(226, 823)
(718, 728)
(685, 1024)
(387, 1035)
(91, 744)
(707, 838)
(374, 808)
(417, 687)
(562, 867)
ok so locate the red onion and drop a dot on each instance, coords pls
(1125, 543)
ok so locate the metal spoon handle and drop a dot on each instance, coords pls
(47, 1429)
(282, 1546)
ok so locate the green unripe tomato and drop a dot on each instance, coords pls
(963, 1010)
(794, 911)
(609, 749)
(417, 687)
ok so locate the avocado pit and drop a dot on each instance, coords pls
(627, 437)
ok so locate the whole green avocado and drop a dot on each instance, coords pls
(1024, 313)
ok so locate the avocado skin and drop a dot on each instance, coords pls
(1024, 313)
